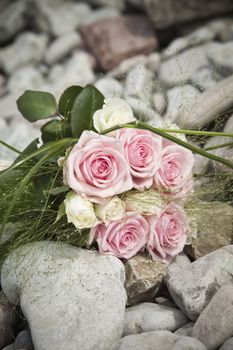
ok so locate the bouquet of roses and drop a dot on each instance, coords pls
(98, 178)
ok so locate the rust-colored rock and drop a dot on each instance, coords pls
(143, 278)
(114, 39)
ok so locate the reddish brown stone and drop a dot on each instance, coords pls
(115, 39)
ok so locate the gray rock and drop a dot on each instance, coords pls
(10, 347)
(181, 100)
(177, 265)
(186, 330)
(25, 78)
(159, 102)
(109, 87)
(139, 83)
(221, 57)
(62, 46)
(209, 104)
(126, 65)
(68, 16)
(214, 227)
(193, 287)
(164, 14)
(201, 164)
(205, 78)
(13, 57)
(6, 335)
(221, 27)
(162, 340)
(143, 278)
(181, 68)
(153, 61)
(24, 341)
(8, 315)
(228, 127)
(144, 112)
(12, 20)
(197, 37)
(147, 317)
(164, 301)
(215, 324)
(86, 289)
(228, 345)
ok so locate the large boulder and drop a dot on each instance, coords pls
(69, 296)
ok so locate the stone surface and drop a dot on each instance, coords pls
(60, 288)
(181, 68)
(24, 341)
(221, 57)
(101, 14)
(214, 227)
(186, 330)
(109, 87)
(12, 20)
(143, 111)
(13, 57)
(147, 317)
(167, 13)
(6, 335)
(8, 319)
(193, 287)
(113, 40)
(68, 16)
(10, 347)
(215, 324)
(209, 104)
(228, 345)
(25, 78)
(143, 277)
(139, 83)
(181, 100)
(119, 4)
(159, 102)
(62, 46)
(162, 340)
(126, 65)
(205, 78)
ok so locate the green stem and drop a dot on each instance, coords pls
(218, 146)
(161, 132)
(10, 147)
(24, 182)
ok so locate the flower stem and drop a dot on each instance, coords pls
(10, 147)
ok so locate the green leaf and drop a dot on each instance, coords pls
(67, 99)
(86, 103)
(61, 212)
(36, 105)
(55, 130)
(32, 147)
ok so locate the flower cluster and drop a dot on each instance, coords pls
(128, 187)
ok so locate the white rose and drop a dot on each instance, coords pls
(148, 202)
(113, 209)
(115, 111)
(79, 211)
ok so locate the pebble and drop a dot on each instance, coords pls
(144, 112)
(162, 340)
(214, 227)
(209, 104)
(139, 83)
(181, 100)
(228, 344)
(205, 78)
(179, 69)
(119, 4)
(147, 317)
(177, 265)
(24, 78)
(143, 278)
(193, 287)
(62, 46)
(101, 13)
(153, 62)
(13, 57)
(12, 20)
(109, 87)
(89, 293)
(221, 57)
(125, 66)
(24, 341)
(115, 39)
(215, 324)
(186, 330)
(159, 102)
(10, 347)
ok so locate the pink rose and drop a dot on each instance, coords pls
(123, 238)
(175, 170)
(96, 167)
(167, 233)
(142, 151)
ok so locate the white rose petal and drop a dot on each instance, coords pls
(79, 211)
(115, 111)
(114, 209)
(148, 202)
